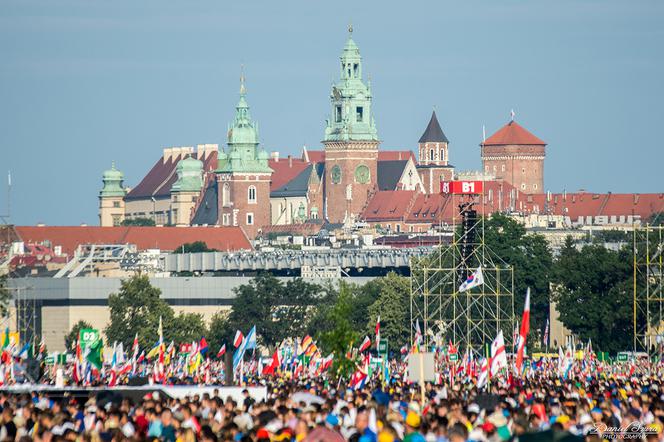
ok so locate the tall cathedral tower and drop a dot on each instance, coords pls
(433, 159)
(243, 175)
(351, 141)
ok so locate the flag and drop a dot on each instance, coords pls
(246, 344)
(418, 337)
(5, 341)
(484, 374)
(94, 354)
(498, 355)
(377, 332)
(238, 338)
(203, 346)
(365, 344)
(546, 333)
(273, 365)
(475, 279)
(304, 345)
(523, 334)
(221, 351)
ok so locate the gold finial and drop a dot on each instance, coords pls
(350, 28)
(243, 90)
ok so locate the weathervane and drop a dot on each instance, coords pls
(512, 114)
(242, 88)
(350, 28)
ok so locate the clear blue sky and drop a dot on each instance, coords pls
(85, 82)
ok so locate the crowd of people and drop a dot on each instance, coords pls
(543, 406)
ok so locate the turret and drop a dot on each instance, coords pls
(111, 198)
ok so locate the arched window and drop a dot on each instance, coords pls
(442, 154)
(226, 195)
(251, 195)
(431, 155)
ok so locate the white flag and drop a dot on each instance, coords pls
(475, 279)
(498, 355)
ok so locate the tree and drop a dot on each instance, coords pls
(136, 308)
(593, 294)
(72, 336)
(141, 222)
(341, 335)
(392, 305)
(194, 247)
(531, 258)
(5, 297)
(656, 219)
(188, 327)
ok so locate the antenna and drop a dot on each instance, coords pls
(483, 134)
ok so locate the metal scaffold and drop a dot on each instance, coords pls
(470, 319)
(648, 288)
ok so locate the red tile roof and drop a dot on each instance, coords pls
(388, 205)
(316, 156)
(161, 177)
(395, 155)
(164, 238)
(513, 133)
(285, 170)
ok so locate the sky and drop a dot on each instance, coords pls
(87, 82)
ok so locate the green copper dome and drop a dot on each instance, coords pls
(112, 179)
(190, 175)
(244, 154)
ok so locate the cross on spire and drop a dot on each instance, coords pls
(243, 89)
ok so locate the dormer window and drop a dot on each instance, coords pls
(359, 112)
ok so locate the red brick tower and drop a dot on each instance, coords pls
(516, 156)
(433, 161)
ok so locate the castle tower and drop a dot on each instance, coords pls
(351, 141)
(243, 175)
(111, 198)
(433, 159)
(186, 190)
(516, 156)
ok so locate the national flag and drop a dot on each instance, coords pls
(546, 333)
(134, 354)
(475, 279)
(5, 341)
(523, 334)
(327, 362)
(484, 374)
(238, 339)
(250, 339)
(276, 363)
(203, 346)
(304, 345)
(247, 343)
(221, 351)
(365, 344)
(418, 337)
(498, 355)
(94, 354)
(377, 332)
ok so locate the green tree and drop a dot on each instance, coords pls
(656, 219)
(5, 296)
(141, 222)
(593, 294)
(392, 305)
(72, 336)
(194, 247)
(341, 335)
(188, 327)
(219, 332)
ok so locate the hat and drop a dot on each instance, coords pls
(474, 408)
(562, 419)
(488, 427)
(413, 420)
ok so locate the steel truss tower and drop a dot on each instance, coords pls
(648, 287)
(472, 318)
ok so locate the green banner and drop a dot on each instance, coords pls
(88, 337)
(382, 347)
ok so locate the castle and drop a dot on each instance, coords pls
(350, 180)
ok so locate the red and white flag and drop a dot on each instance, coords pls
(525, 328)
(365, 344)
(238, 339)
(377, 332)
(498, 355)
(484, 374)
(221, 351)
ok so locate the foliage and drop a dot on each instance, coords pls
(593, 294)
(141, 222)
(341, 334)
(72, 336)
(656, 219)
(614, 235)
(5, 297)
(219, 332)
(137, 307)
(194, 247)
(393, 307)
(532, 260)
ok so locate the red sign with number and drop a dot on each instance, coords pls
(461, 187)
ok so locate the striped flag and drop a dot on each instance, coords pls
(523, 334)
(221, 351)
(498, 355)
(546, 333)
(377, 332)
(238, 339)
(365, 344)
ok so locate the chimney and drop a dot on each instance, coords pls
(275, 156)
(290, 161)
(168, 151)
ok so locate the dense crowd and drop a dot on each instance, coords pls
(542, 407)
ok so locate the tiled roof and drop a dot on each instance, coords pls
(316, 156)
(285, 170)
(579, 204)
(164, 238)
(512, 133)
(388, 205)
(307, 229)
(433, 133)
(207, 212)
(389, 173)
(298, 186)
(161, 177)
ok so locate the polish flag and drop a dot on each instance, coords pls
(238, 339)
(377, 332)
(365, 344)
(525, 328)
(221, 351)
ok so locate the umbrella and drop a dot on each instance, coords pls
(307, 398)
(322, 434)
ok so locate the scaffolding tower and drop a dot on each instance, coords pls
(470, 319)
(648, 288)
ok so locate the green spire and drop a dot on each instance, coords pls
(112, 179)
(190, 175)
(244, 154)
(352, 116)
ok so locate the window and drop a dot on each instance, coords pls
(356, 70)
(314, 212)
(486, 168)
(359, 112)
(535, 186)
(523, 186)
(226, 195)
(226, 219)
(442, 154)
(523, 170)
(250, 219)
(251, 195)
(502, 168)
(494, 167)
(431, 154)
(397, 227)
(116, 220)
(337, 114)
(116, 204)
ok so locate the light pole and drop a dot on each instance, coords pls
(154, 210)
